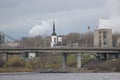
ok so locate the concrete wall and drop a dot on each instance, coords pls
(103, 38)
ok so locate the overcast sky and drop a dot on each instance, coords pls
(20, 18)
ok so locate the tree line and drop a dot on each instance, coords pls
(70, 40)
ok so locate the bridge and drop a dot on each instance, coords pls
(64, 50)
(59, 49)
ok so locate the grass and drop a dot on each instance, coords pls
(52, 61)
(15, 69)
(86, 58)
(55, 60)
(72, 59)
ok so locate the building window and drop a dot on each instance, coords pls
(104, 34)
(99, 43)
(104, 43)
(54, 39)
(99, 36)
(99, 32)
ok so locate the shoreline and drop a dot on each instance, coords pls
(51, 70)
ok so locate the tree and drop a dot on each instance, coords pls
(114, 37)
(72, 38)
(83, 40)
(15, 61)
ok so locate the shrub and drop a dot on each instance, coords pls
(33, 64)
(2, 62)
(28, 65)
(15, 61)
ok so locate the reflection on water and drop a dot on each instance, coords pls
(59, 76)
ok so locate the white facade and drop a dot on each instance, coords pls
(60, 39)
(32, 55)
(54, 40)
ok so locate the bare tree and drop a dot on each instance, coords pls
(114, 37)
(72, 38)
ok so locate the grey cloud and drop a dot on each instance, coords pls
(22, 15)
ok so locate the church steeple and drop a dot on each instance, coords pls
(53, 29)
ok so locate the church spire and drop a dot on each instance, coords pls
(53, 29)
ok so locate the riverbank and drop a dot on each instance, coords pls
(108, 66)
(66, 70)
(93, 67)
(61, 70)
(15, 69)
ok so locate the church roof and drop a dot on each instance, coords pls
(54, 29)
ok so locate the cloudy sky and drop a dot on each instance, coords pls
(20, 18)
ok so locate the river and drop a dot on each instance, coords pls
(59, 76)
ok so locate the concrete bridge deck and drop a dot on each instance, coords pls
(60, 49)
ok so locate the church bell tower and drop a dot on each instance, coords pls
(54, 39)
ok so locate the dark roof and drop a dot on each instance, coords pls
(54, 33)
(54, 29)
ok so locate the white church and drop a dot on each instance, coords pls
(54, 38)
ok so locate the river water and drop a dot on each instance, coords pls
(59, 76)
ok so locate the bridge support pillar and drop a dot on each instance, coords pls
(104, 56)
(116, 55)
(79, 60)
(64, 60)
(98, 56)
(5, 56)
